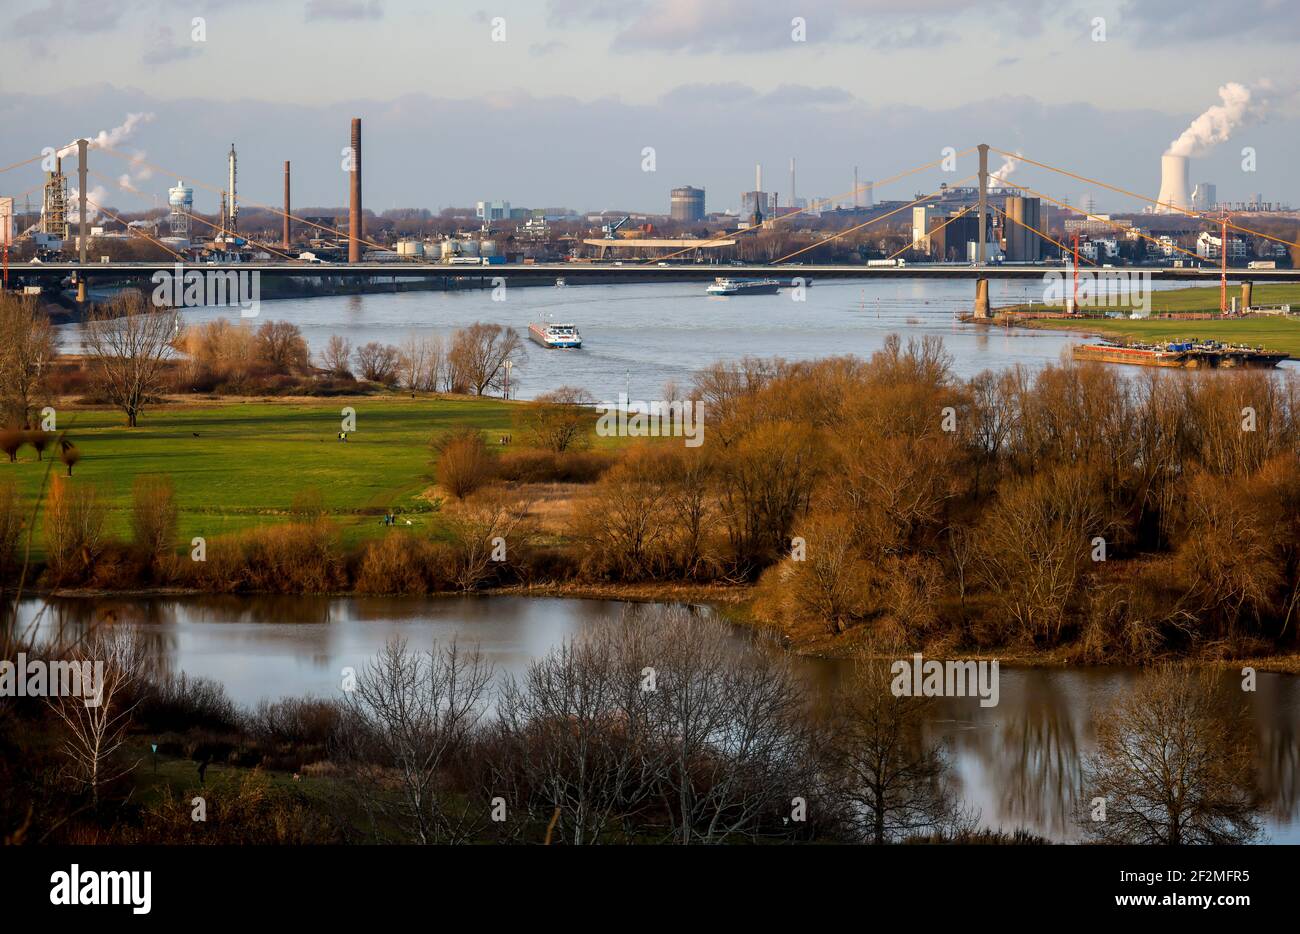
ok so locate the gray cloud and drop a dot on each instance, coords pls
(1208, 21)
(743, 26)
(343, 10)
(165, 49)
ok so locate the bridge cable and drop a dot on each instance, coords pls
(844, 233)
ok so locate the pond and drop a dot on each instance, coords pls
(1018, 763)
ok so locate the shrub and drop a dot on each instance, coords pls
(11, 439)
(464, 464)
(74, 529)
(295, 557)
(153, 516)
(11, 526)
(530, 465)
(400, 563)
(179, 703)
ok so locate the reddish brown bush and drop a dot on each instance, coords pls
(464, 464)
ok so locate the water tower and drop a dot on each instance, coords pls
(181, 200)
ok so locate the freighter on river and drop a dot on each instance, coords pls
(1190, 354)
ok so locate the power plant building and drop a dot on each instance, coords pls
(687, 204)
(1023, 217)
(1204, 197)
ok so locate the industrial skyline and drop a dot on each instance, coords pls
(577, 135)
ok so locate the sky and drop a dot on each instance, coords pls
(608, 105)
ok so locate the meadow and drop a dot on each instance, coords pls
(237, 464)
(1273, 333)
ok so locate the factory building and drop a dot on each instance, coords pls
(923, 217)
(1024, 216)
(489, 211)
(687, 204)
(1204, 197)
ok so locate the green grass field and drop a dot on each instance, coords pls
(1273, 333)
(237, 464)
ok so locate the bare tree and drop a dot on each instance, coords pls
(408, 718)
(153, 516)
(130, 346)
(377, 362)
(1173, 764)
(480, 352)
(97, 717)
(890, 779)
(577, 734)
(337, 356)
(28, 344)
(280, 345)
(560, 420)
(732, 725)
(419, 365)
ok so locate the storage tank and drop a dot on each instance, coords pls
(469, 248)
(410, 248)
(450, 248)
(487, 248)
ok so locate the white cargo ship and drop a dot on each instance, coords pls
(744, 287)
(555, 335)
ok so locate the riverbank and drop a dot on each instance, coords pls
(1273, 332)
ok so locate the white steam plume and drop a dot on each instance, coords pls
(1009, 165)
(1240, 105)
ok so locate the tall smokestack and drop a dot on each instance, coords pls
(855, 186)
(287, 231)
(792, 181)
(1175, 187)
(356, 229)
(758, 177)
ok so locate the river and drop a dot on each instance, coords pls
(637, 337)
(1019, 763)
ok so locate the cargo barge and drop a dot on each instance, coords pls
(1191, 355)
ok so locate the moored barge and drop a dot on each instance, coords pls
(1190, 354)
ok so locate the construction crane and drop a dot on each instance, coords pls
(609, 229)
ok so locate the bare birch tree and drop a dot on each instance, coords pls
(96, 719)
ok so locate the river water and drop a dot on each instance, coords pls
(640, 336)
(1019, 763)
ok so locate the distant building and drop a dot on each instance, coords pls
(1204, 197)
(949, 236)
(1208, 246)
(492, 210)
(922, 218)
(687, 204)
(760, 203)
(1023, 217)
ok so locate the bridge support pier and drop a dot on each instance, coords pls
(982, 298)
(1246, 296)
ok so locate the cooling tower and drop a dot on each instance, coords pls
(1175, 189)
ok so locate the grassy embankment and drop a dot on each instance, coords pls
(1270, 332)
(237, 464)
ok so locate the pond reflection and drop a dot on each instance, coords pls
(1019, 764)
